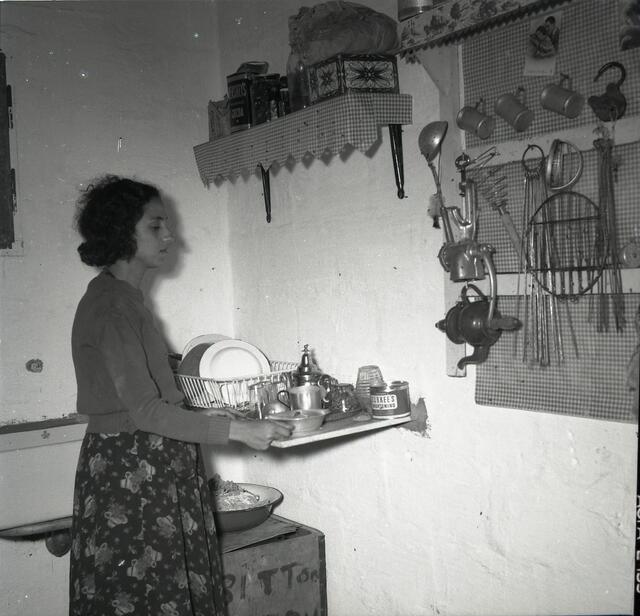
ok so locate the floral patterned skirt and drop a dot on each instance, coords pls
(143, 535)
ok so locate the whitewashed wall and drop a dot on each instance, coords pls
(495, 512)
(84, 75)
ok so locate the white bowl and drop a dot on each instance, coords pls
(303, 421)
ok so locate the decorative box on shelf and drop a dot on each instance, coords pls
(348, 72)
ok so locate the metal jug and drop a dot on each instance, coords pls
(303, 397)
(474, 322)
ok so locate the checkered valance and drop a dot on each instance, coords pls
(353, 118)
(450, 21)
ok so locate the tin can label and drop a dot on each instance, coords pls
(384, 402)
(390, 400)
(239, 93)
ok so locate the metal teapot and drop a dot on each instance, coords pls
(477, 323)
(308, 374)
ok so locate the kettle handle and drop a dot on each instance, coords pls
(463, 293)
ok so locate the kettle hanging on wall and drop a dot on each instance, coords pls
(477, 323)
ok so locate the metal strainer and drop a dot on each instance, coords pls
(564, 165)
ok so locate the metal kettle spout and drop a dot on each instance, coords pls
(479, 355)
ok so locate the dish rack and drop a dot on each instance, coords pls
(213, 393)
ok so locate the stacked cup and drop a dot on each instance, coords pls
(367, 376)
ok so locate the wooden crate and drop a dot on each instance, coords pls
(285, 576)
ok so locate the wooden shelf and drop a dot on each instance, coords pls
(329, 126)
(351, 119)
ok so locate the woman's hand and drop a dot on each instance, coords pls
(258, 434)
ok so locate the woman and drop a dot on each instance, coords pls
(144, 540)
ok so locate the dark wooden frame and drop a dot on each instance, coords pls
(7, 175)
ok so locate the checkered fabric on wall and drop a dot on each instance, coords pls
(627, 188)
(592, 380)
(493, 64)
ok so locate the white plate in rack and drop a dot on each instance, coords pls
(231, 359)
(204, 339)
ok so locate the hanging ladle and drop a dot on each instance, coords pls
(430, 143)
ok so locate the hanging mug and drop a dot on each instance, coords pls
(514, 111)
(476, 121)
(565, 101)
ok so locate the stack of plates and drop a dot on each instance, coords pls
(207, 339)
(218, 357)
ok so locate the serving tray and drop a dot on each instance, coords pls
(341, 427)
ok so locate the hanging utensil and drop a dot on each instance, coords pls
(564, 165)
(477, 323)
(430, 144)
(542, 330)
(465, 259)
(578, 246)
(395, 136)
(266, 191)
(604, 149)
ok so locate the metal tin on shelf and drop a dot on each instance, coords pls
(239, 93)
(390, 400)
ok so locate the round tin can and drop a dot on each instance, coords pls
(390, 400)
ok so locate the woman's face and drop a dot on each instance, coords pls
(153, 236)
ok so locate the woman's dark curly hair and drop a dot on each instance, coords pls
(108, 211)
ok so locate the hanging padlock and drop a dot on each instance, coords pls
(611, 105)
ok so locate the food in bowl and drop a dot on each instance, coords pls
(240, 506)
(230, 496)
(302, 421)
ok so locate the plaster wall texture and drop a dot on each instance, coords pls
(119, 87)
(493, 511)
(104, 87)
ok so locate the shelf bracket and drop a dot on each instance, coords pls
(266, 191)
(395, 134)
